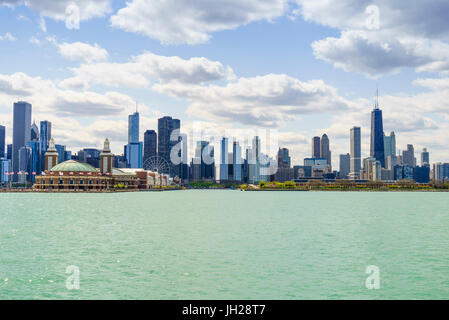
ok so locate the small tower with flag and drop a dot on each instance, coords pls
(51, 156)
(106, 158)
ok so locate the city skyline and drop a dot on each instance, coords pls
(85, 84)
(168, 154)
(160, 143)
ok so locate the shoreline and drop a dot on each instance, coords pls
(78, 191)
(352, 190)
(215, 189)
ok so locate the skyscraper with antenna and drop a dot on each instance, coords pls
(134, 148)
(377, 133)
(133, 126)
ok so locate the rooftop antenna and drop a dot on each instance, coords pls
(377, 99)
(136, 107)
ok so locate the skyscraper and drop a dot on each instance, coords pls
(325, 150)
(34, 135)
(133, 127)
(133, 155)
(35, 159)
(134, 148)
(377, 135)
(356, 152)
(345, 165)
(2, 141)
(203, 165)
(9, 152)
(149, 145)
(21, 132)
(284, 160)
(316, 147)
(425, 161)
(284, 171)
(45, 135)
(237, 161)
(408, 156)
(4, 170)
(224, 173)
(389, 146)
(60, 149)
(25, 161)
(440, 172)
(183, 166)
(254, 161)
(165, 128)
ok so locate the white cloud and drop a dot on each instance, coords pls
(42, 24)
(434, 84)
(64, 103)
(415, 18)
(142, 69)
(273, 100)
(361, 51)
(34, 40)
(70, 11)
(8, 36)
(268, 100)
(80, 119)
(384, 40)
(191, 22)
(79, 51)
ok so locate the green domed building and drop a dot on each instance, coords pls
(80, 176)
(73, 166)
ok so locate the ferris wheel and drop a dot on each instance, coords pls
(157, 164)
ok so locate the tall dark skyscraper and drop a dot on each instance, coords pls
(149, 145)
(9, 152)
(21, 132)
(34, 135)
(316, 147)
(377, 135)
(2, 141)
(284, 160)
(345, 165)
(165, 128)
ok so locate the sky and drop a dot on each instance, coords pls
(296, 67)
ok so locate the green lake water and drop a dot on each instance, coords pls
(225, 245)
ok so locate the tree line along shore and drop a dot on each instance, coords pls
(312, 185)
(347, 185)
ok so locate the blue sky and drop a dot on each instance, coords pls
(301, 67)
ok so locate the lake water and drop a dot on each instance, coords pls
(225, 245)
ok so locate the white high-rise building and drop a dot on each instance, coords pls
(356, 153)
(237, 161)
(389, 147)
(224, 173)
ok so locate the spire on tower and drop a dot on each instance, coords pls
(377, 99)
(52, 145)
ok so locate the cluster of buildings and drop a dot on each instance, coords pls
(33, 159)
(384, 162)
(161, 159)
